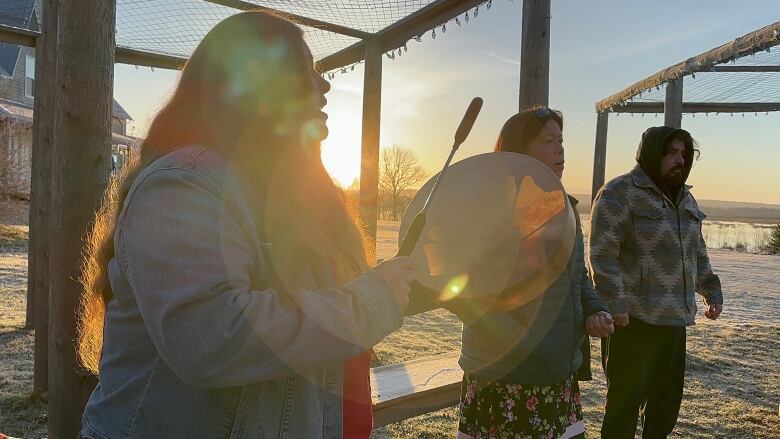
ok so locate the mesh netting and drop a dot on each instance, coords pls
(729, 87)
(175, 27)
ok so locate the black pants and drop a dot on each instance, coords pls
(645, 375)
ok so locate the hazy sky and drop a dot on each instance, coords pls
(597, 48)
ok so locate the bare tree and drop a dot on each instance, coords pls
(399, 171)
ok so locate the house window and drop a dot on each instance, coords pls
(117, 126)
(29, 76)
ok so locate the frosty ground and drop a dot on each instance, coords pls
(732, 387)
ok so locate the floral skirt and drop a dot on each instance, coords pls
(500, 410)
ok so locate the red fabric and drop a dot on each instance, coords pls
(358, 419)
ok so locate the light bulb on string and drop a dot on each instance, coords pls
(457, 21)
(476, 12)
(433, 34)
(467, 17)
(489, 4)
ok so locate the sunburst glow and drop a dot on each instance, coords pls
(341, 150)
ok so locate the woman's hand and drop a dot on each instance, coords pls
(600, 324)
(398, 272)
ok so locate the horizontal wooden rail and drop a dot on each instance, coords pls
(699, 107)
(405, 390)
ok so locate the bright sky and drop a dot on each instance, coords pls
(597, 48)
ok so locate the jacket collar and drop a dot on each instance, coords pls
(641, 179)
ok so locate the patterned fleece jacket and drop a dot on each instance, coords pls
(647, 253)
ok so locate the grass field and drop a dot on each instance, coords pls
(732, 385)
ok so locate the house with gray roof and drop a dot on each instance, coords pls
(17, 95)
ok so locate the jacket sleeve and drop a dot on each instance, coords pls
(189, 266)
(591, 302)
(610, 220)
(707, 282)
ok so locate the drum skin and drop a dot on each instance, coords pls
(499, 231)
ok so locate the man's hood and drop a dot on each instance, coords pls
(651, 151)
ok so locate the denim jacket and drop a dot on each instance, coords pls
(197, 344)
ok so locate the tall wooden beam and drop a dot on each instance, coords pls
(673, 105)
(41, 227)
(600, 153)
(299, 19)
(81, 166)
(398, 33)
(369, 162)
(700, 107)
(754, 42)
(535, 54)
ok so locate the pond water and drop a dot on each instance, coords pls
(749, 237)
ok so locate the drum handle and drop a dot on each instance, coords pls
(413, 234)
(418, 224)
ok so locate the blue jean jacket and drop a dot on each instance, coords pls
(196, 342)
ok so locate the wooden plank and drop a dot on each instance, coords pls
(406, 390)
(673, 105)
(761, 39)
(600, 153)
(369, 162)
(41, 228)
(299, 19)
(535, 54)
(17, 35)
(135, 57)
(756, 69)
(80, 171)
(699, 107)
(123, 55)
(398, 33)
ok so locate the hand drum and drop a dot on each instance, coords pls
(499, 231)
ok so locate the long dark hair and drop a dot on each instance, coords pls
(519, 130)
(246, 93)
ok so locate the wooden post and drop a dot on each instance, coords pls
(535, 54)
(600, 153)
(40, 188)
(673, 103)
(80, 170)
(369, 162)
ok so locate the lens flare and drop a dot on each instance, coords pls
(454, 287)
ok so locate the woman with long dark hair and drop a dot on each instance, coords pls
(519, 365)
(227, 283)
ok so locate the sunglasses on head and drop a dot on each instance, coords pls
(545, 113)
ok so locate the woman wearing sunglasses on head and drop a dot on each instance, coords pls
(530, 390)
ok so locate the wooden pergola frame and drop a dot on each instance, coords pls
(673, 106)
(75, 57)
